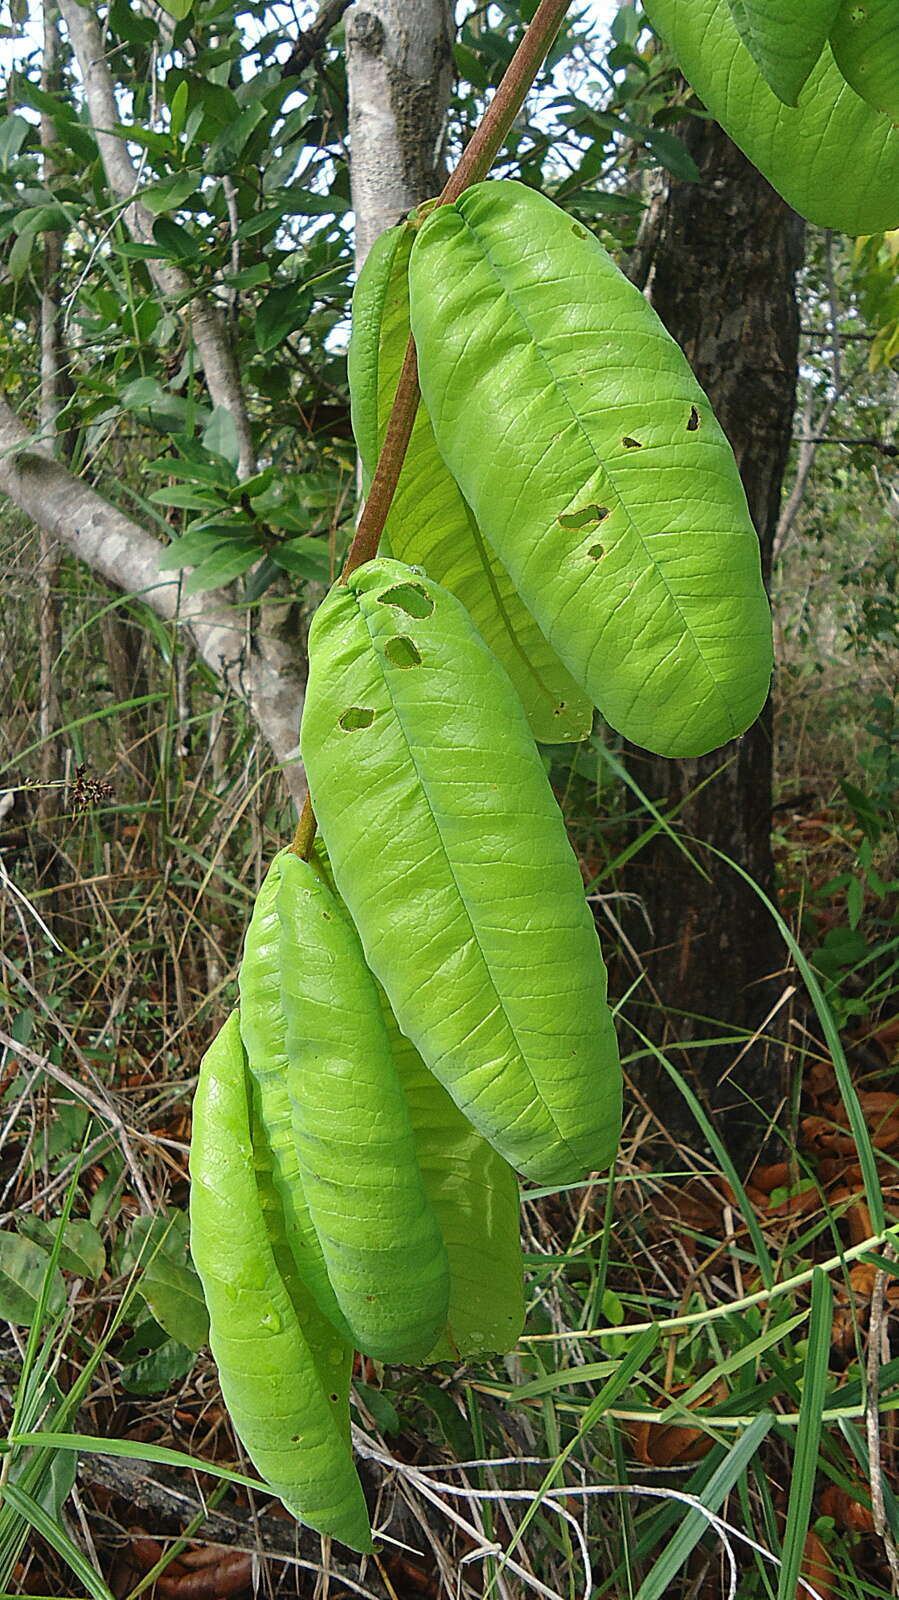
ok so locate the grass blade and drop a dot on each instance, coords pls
(694, 1524)
(43, 1524)
(135, 1450)
(808, 1435)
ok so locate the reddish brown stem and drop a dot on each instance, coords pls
(476, 161)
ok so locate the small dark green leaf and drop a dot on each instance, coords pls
(176, 241)
(673, 154)
(175, 1298)
(82, 1249)
(281, 312)
(169, 196)
(155, 1373)
(381, 1407)
(304, 558)
(14, 131)
(222, 567)
(23, 1266)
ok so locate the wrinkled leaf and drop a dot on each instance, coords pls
(833, 157)
(595, 465)
(474, 1194)
(785, 39)
(436, 811)
(430, 524)
(284, 1371)
(865, 43)
(379, 1235)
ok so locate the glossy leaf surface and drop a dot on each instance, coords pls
(865, 43)
(430, 523)
(593, 460)
(263, 1027)
(451, 854)
(284, 1370)
(833, 157)
(785, 39)
(363, 1185)
(474, 1193)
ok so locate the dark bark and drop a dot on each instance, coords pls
(718, 260)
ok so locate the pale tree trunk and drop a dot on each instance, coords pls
(399, 73)
(205, 321)
(52, 399)
(718, 260)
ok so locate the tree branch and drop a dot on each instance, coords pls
(267, 672)
(311, 40)
(206, 323)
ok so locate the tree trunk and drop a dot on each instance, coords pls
(718, 261)
(399, 70)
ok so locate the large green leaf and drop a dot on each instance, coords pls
(263, 1027)
(451, 854)
(284, 1370)
(474, 1195)
(430, 523)
(865, 43)
(361, 1179)
(785, 39)
(593, 461)
(832, 156)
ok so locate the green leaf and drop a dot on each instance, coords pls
(179, 9)
(808, 1434)
(601, 476)
(405, 699)
(430, 525)
(785, 39)
(673, 154)
(304, 558)
(185, 499)
(474, 1195)
(191, 550)
(281, 312)
(833, 157)
(175, 1298)
(381, 1407)
(387, 1264)
(223, 566)
(284, 1370)
(220, 436)
(168, 196)
(157, 1372)
(865, 43)
(178, 106)
(20, 256)
(23, 1266)
(174, 240)
(228, 145)
(14, 130)
(82, 1249)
